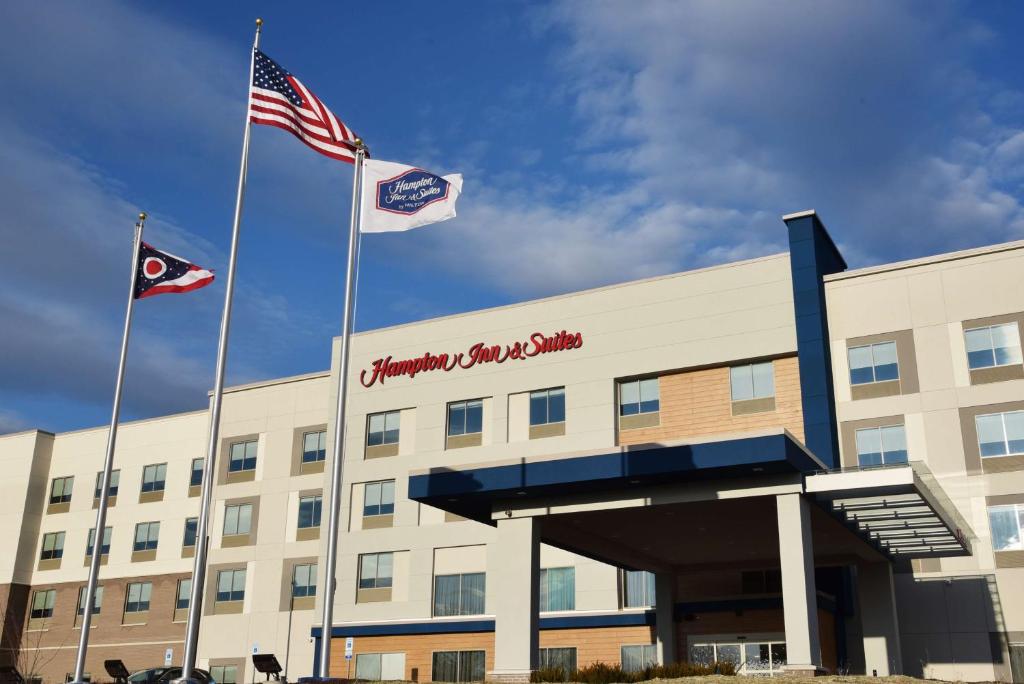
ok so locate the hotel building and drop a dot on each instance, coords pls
(777, 462)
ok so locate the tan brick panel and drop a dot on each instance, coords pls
(699, 403)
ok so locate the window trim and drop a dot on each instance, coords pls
(881, 447)
(313, 516)
(108, 534)
(397, 413)
(245, 456)
(547, 406)
(56, 552)
(49, 602)
(545, 592)
(621, 383)
(992, 348)
(465, 403)
(462, 609)
(1006, 437)
(142, 590)
(231, 593)
(874, 366)
(153, 485)
(149, 533)
(754, 396)
(1018, 513)
(376, 578)
(237, 507)
(380, 498)
(112, 488)
(65, 490)
(322, 453)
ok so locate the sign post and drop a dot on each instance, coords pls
(349, 643)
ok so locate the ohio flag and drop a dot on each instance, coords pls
(398, 197)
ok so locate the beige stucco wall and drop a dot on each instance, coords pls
(932, 298)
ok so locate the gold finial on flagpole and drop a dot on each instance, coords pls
(142, 216)
(259, 23)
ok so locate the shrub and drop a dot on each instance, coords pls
(550, 674)
(603, 673)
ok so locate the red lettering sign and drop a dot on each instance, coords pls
(479, 353)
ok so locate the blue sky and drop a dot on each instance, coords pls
(600, 142)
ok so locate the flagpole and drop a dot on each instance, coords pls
(108, 463)
(210, 464)
(337, 456)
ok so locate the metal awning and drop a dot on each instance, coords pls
(899, 509)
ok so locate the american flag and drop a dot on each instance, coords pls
(279, 99)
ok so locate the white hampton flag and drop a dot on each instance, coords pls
(399, 197)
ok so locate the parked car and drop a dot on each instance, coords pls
(164, 675)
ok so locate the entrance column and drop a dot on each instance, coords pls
(799, 594)
(877, 602)
(516, 623)
(664, 615)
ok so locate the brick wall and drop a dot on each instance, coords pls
(592, 644)
(696, 403)
(52, 649)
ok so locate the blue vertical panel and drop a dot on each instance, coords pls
(812, 255)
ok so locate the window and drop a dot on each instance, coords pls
(115, 481)
(638, 589)
(184, 596)
(224, 674)
(547, 406)
(237, 519)
(558, 589)
(196, 477)
(191, 530)
(1001, 434)
(379, 498)
(881, 446)
(382, 428)
(314, 446)
(53, 546)
(993, 345)
(104, 547)
(458, 666)
(243, 457)
(752, 381)
(304, 580)
(380, 667)
(137, 597)
(60, 490)
(309, 511)
(231, 585)
(42, 604)
(153, 477)
(873, 363)
(147, 535)
(97, 599)
(459, 594)
(1007, 523)
(465, 417)
(562, 658)
(375, 570)
(638, 396)
(638, 657)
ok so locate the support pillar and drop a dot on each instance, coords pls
(664, 615)
(876, 596)
(516, 621)
(799, 594)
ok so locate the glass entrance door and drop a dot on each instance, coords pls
(757, 655)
